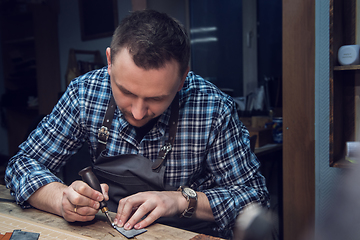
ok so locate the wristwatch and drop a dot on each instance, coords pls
(191, 197)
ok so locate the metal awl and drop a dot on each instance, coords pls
(90, 178)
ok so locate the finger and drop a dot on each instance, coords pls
(149, 219)
(72, 198)
(81, 194)
(85, 190)
(142, 211)
(126, 208)
(105, 191)
(72, 216)
(85, 211)
(73, 213)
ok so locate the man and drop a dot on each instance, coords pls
(149, 79)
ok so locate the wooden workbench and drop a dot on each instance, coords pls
(13, 217)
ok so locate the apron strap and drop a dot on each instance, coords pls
(173, 122)
(104, 131)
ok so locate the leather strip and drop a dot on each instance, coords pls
(103, 132)
(173, 122)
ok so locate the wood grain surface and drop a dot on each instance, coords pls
(13, 217)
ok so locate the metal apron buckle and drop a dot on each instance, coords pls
(103, 135)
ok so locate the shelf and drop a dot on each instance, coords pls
(347, 67)
(344, 84)
(342, 163)
(268, 148)
(20, 40)
(25, 64)
(31, 66)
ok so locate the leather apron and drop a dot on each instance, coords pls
(128, 174)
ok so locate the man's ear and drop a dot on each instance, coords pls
(183, 78)
(108, 58)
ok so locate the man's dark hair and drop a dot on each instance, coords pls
(153, 39)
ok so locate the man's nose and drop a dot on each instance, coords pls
(139, 109)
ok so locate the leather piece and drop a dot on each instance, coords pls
(22, 235)
(129, 233)
(7, 236)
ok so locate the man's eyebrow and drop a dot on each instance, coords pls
(124, 90)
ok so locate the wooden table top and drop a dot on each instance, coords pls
(14, 217)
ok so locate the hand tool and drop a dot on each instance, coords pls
(90, 178)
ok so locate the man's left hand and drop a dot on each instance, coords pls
(152, 205)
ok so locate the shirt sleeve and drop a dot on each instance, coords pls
(46, 149)
(235, 170)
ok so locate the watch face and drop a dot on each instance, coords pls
(191, 193)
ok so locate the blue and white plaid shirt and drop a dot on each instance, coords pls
(211, 152)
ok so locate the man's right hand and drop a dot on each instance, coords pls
(77, 202)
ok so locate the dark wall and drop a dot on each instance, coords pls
(269, 39)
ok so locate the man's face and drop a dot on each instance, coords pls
(142, 94)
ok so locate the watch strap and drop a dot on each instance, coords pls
(189, 211)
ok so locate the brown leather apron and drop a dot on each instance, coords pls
(128, 174)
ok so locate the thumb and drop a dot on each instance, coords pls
(105, 190)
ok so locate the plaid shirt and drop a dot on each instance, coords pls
(211, 152)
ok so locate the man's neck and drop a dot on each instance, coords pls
(142, 131)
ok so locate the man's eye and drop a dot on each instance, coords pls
(128, 93)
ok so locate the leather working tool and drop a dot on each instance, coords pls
(90, 178)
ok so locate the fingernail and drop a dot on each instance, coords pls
(137, 226)
(127, 226)
(115, 221)
(120, 223)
